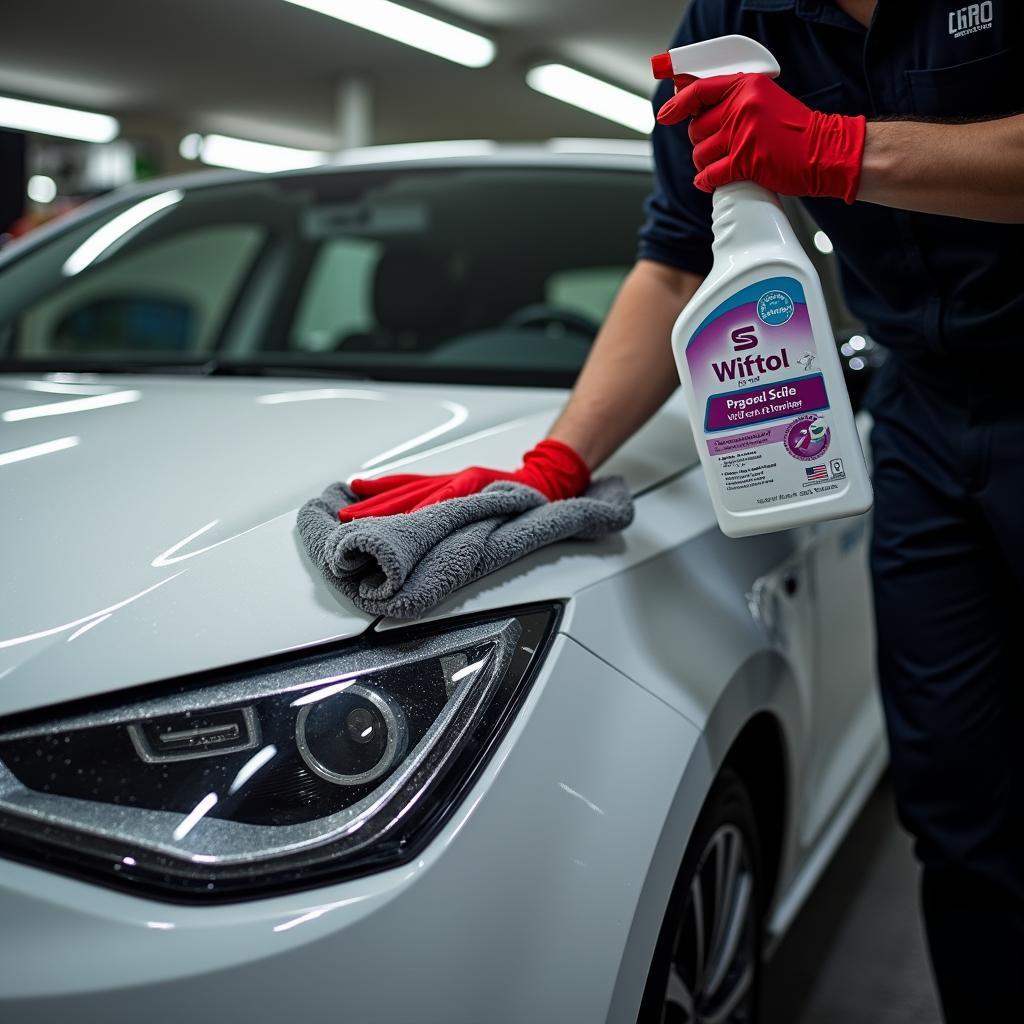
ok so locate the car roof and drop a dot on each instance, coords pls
(583, 154)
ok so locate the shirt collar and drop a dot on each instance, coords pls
(767, 5)
(810, 10)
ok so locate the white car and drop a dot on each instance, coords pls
(595, 785)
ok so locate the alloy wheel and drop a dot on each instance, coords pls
(714, 956)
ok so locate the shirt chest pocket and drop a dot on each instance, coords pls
(986, 87)
(830, 99)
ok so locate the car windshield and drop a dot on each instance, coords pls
(483, 274)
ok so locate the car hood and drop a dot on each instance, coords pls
(148, 523)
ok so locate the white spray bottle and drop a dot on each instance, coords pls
(756, 355)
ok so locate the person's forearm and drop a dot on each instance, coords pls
(972, 170)
(630, 371)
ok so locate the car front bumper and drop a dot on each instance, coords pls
(521, 910)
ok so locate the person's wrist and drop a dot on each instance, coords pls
(556, 469)
(839, 159)
(885, 163)
(576, 431)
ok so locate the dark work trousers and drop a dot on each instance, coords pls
(948, 567)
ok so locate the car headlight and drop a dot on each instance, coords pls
(275, 777)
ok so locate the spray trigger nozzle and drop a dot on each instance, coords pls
(726, 55)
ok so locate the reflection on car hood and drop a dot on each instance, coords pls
(148, 522)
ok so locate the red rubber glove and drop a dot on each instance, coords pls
(748, 128)
(552, 468)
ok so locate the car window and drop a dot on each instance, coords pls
(169, 298)
(337, 300)
(475, 273)
(586, 290)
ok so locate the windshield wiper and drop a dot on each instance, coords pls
(96, 366)
(206, 368)
(215, 368)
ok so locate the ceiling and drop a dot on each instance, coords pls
(269, 70)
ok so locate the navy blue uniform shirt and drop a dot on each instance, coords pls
(921, 283)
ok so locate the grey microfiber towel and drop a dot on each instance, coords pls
(402, 566)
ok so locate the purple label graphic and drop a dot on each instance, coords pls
(807, 438)
(770, 402)
(759, 332)
(750, 439)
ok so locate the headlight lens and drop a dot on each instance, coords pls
(287, 776)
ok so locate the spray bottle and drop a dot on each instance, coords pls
(756, 355)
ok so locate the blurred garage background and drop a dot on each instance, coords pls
(185, 84)
(94, 96)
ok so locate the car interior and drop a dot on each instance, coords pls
(500, 273)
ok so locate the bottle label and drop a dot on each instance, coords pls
(753, 364)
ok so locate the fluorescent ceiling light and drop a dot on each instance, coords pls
(409, 27)
(397, 152)
(43, 119)
(41, 189)
(191, 146)
(245, 155)
(101, 240)
(593, 95)
(604, 147)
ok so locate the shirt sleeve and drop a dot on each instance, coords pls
(677, 228)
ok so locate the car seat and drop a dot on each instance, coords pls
(416, 300)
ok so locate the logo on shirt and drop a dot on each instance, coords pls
(970, 19)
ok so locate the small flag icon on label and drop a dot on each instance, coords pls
(816, 473)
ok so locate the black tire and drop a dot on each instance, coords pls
(720, 983)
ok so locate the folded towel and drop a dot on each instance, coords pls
(403, 565)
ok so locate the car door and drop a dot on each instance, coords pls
(846, 716)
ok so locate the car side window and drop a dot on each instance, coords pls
(170, 297)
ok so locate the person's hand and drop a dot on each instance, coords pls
(748, 128)
(551, 467)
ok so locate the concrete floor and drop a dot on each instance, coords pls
(856, 953)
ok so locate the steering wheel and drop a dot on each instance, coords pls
(543, 315)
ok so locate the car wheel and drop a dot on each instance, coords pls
(707, 963)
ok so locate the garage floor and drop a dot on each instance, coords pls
(856, 953)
